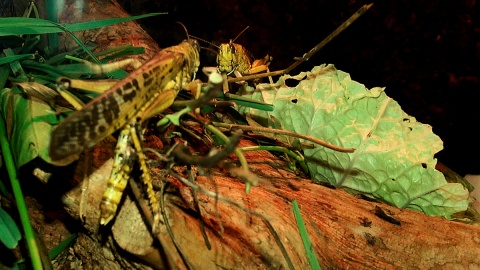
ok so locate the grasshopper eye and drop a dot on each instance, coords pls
(232, 48)
(195, 45)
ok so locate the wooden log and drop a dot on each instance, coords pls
(346, 231)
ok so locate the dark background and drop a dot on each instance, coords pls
(426, 53)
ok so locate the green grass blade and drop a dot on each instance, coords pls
(55, 251)
(248, 102)
(21, 26)
(312, 258)
(20, 200)
(12, 58)
(108, 22)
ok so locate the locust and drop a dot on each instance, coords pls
(233, 58)
(146, 91)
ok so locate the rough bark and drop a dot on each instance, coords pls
(346, 231)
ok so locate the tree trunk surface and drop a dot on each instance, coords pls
(347, 232)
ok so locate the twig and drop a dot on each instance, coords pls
(283, 132)
(309, 54)
(182, 153)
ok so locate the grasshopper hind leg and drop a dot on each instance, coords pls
(146, 178)
(127, 151)
(122, 167)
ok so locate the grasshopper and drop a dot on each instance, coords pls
(233, 58)
(236, 59)
(145, 92)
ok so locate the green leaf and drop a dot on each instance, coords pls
(394, 158)
(9, 59)
(29, 124)
(22, 26)
(56, 250)
(9, 232)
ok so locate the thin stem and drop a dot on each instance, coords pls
(19, 199)
(289, 152)
(288, 133)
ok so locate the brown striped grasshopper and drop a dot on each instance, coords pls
(145, 92)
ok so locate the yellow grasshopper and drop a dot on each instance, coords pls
(145, 92)
(233, 58)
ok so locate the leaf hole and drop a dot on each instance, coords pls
(291, 83)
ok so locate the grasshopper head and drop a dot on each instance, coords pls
(191, 49)
(226, 58)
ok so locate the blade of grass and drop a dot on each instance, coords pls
(22, 26)
(9, 59)
(307, 244)
(20, 200)
(56, 250)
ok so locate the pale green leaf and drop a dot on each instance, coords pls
(29, 124)
(394, 158)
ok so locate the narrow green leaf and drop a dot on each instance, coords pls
(55, 251)
(61, 57)
(9, 232)
(307, 244)
(19, 199)
(21, 26)
(248, 102)
(12, 58)
(14, 65)
(107, 22)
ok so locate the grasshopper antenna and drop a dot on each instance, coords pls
(184, 28)
(240, 34)
(208, 42)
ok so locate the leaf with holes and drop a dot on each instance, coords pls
(393, 161)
